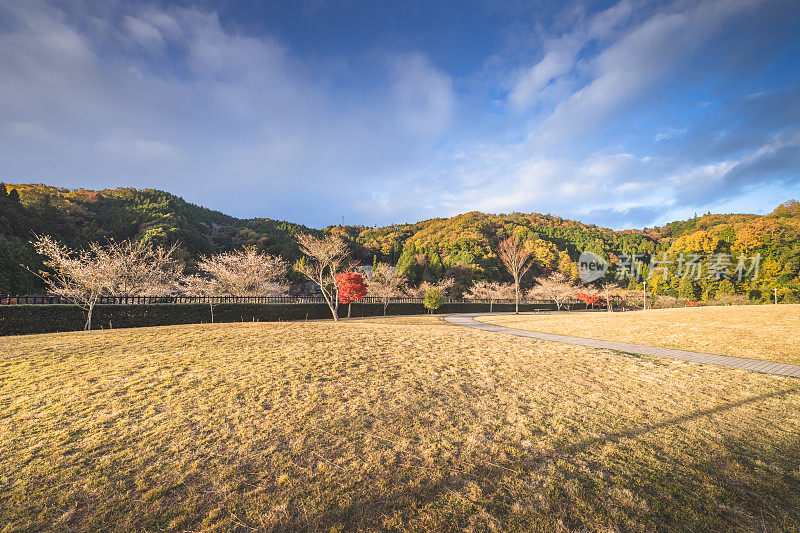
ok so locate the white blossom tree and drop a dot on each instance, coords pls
(324, 259)
(194, 285)
(556, 287)
(246, 272)
(609, 290)
(117, 269)
(491, 290)
(386, 282)
(134, 269)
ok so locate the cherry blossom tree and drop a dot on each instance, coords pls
(386, 282)
(245, 272)
(325, 257)
(491, 290)
(117, 269)
(609, 290)
(556, 287)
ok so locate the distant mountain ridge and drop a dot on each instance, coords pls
(460, 246)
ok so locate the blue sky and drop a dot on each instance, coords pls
(622, 114)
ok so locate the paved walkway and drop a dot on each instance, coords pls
(753, 365)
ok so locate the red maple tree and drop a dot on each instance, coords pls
(589, 299)
(351, 287)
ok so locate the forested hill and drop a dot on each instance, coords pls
(461, 247)
(78, 216)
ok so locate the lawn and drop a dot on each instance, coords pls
(767, 332)
(384, 424)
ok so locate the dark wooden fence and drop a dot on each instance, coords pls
(36, 299)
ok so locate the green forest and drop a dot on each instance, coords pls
(462, 247)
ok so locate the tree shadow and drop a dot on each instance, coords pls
(676, 421)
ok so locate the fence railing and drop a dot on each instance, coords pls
(42, 299)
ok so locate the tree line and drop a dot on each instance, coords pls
(131, 268)
(464, 248)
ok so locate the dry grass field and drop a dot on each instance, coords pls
(767, 332)
(386, 424)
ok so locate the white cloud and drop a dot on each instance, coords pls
(669, 133)
(561, 54)
(126, 145)
(423, 95)
(555, 63)
(635, 62)
(27, 131)
(243, 110)
(241, 123)
(144, 34)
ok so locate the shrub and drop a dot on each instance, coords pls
(433, 299)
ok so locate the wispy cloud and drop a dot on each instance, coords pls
(560, 56)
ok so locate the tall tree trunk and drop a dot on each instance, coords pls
(348, 309)
(331, 304)
(516, 290)
(332, 307)
(88, 325)
(490, 305)
(211, 307)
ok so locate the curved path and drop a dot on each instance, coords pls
(753, 365)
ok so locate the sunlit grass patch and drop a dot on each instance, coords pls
(383, 424)
(767, 332)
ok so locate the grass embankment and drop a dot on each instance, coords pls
(766, 332)
(404, 423)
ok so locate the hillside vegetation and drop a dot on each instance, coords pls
(403, 424)
(462, 247)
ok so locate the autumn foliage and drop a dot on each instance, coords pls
(351, 287)
(465, 248)
(589, 299)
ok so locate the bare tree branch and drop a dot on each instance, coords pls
(517, 259)
(444, 286)
(118, 269)
(325, 257)
(556, 287)
(491, 290)
(386, 282)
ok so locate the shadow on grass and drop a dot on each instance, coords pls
(744, 482)
(676, 421)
